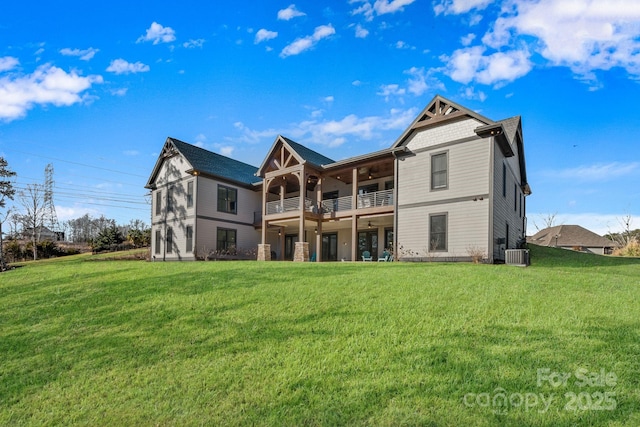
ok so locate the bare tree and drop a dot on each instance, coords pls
(6, 192)
(627, 235)
(548, 221)
(33, 201)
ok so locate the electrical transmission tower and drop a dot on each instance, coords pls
(51, 219)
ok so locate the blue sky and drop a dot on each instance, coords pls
(95, 89)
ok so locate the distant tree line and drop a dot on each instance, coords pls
(75, 235)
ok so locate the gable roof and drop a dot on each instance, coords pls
(301, 153)
(207, 163)
(440, 109)
(308, 154)
(569, 236)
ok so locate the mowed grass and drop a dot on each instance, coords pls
(92, 342)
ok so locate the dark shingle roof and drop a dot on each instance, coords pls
(308, 154)
(510, 127)
(210, 163)
(569, 235)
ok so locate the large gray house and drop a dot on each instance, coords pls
(452, 185)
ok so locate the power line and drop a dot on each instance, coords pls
(77, 163)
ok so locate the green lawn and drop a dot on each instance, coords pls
(93, 342)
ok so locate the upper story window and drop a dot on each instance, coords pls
(504, 180)
(190, 194)
(439, 166)
(169, 199)
(227, 199)
(158, 202)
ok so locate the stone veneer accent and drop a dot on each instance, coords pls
(301, 251)
(264, 252)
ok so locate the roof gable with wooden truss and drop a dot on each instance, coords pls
(437, 112)
(286, 154)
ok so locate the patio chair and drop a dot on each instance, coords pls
(385, 257)
(366, 256)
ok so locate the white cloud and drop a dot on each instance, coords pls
(584, 35)
(8, 63)
(333, 133)
(227, 150)
(158, 34)
(598, 172)
(471, 64)
(193, 43)
(356, 83)
(468, 39)
(264, 35)
(418, 83)
(84, 54)
(328, 99)
(305, 43)
(120, 66)
(131, 153)
(471, 93)
(403, 45)
(119, 92)
(46, 85)
(361, 32)
(456, 7)
(379, 7)
(252, 136)
(383, 7)
(289, 13)
(366, 9)
(391, 90)
(65, 213)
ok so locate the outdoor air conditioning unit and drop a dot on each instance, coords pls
(517, 257)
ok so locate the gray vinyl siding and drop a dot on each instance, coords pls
(179, 240)
(209, 219)
(467, 226)
(172, 182)
(468, 179)
(247, 237)
(504, 211)
(248, 201)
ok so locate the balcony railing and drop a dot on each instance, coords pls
(288, 205)
(335, 205)
(341, 204)
(377, 198)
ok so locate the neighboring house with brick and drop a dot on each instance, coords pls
(454, 182)
(573, 237)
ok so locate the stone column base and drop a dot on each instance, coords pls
(264, 252)
(301, 252)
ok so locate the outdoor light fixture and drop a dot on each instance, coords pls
(369, 224)
(316, 231)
